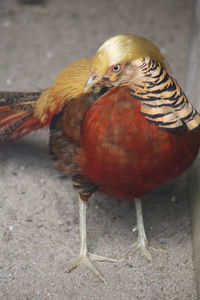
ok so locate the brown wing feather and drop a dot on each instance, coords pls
(65, 141)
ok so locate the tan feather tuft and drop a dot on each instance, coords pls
(68, 85)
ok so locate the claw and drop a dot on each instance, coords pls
(87, 261)
(145, 250)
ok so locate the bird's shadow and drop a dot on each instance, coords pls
(18, 150)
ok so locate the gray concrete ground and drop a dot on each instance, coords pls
(39, 229)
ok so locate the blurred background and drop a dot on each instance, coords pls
(40, 37)
(39, 228)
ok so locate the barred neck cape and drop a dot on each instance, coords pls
(162, 100)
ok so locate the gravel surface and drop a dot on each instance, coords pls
(39, 229)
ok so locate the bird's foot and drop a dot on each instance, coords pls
(143, 247)
(87, 259)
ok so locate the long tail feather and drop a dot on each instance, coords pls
(16, 115)
(19, 101)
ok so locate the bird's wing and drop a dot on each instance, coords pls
(162, 100)
(65, 142)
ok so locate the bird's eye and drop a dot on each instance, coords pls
(116, 68)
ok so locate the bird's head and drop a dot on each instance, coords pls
(113, 63)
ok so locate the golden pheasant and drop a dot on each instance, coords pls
(119, 124)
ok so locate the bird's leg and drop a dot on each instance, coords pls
(142, 244)
(85, 257)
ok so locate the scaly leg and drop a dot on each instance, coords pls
(85, 257)
(142, 244)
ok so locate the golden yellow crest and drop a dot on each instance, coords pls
(122, 49)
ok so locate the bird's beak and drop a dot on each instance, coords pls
(93, 79)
